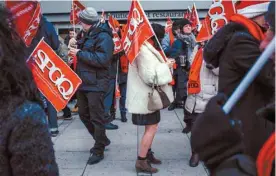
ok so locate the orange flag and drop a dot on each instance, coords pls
(218, 15)
(138, 30)
(76, 8)
(26, 16)
(115, 27)
(53, 77)
(168, 29)
(194, 17)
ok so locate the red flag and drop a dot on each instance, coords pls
(26, 16)
(168, 29)
(187, 14)
(115, 26)
(138, 30)
(53, 77)
(194, 17)
(76, 8)
(218, 15)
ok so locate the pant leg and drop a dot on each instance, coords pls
(84, 112)
(66, 111)
(109, 95)
(52, 116)
(96, 110)
(123, 89)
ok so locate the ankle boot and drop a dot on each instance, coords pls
(152, 159)
(144, 166)
(194, 160)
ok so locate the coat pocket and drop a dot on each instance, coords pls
(89, 77)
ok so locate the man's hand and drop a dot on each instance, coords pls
(73, 52)
(170, 62)
(72, 43)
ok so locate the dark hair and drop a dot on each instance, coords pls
(16, 81)
(159, 31)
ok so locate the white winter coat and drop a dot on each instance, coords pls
(141, 73)
(209, 88)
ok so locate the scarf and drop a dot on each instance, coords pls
(189, 40)
(194, 86)
(253, 28)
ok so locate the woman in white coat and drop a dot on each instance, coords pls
(142, 72)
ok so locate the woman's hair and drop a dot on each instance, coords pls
(16, 81)
(159, 31)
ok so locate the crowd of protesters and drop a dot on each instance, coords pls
(227, 144)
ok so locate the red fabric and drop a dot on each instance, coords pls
(75, 60)
(138, 30)
(215, 19)
(187, 14)
(194, 86)
(168, 30)
(114, 25)
(124, 63)
(266, 157)
(26, 16)
(194, 17)
(253, 28)
(76, 8)
(53, 77)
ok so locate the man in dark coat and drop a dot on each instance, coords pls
(93, 60)
(234, 49)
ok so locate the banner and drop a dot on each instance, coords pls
(26, 17)
(218, 16)
(138, 30)
(115, 27)
(53, 77)
(76, 8)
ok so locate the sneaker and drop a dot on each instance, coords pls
(54, 133)
(110, 126)
(172, 107)
(94, 159)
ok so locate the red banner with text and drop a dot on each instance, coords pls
(53, 77)
(26, 17)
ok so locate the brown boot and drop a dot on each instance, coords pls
(144, 166)
(152, 159)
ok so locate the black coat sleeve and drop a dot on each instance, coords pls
(31, 147)
(246, 51)
(102, 54)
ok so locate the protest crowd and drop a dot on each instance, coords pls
(189, 64)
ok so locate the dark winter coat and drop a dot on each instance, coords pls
(26, 148)
(234, 50)
(46, 30)
(94, 59)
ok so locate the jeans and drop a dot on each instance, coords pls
(123, 89)
(109, 96)
(52, 116)
(91, 111)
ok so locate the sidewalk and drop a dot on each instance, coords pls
(73, 143)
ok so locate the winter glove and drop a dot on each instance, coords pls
(215, 136)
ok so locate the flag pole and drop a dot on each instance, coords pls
(74, 25)
(249, 78)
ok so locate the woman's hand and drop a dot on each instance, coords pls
(170, 62)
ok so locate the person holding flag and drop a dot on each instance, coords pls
(26, 147)
(93, 58)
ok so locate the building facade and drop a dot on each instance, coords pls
(58, 12)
